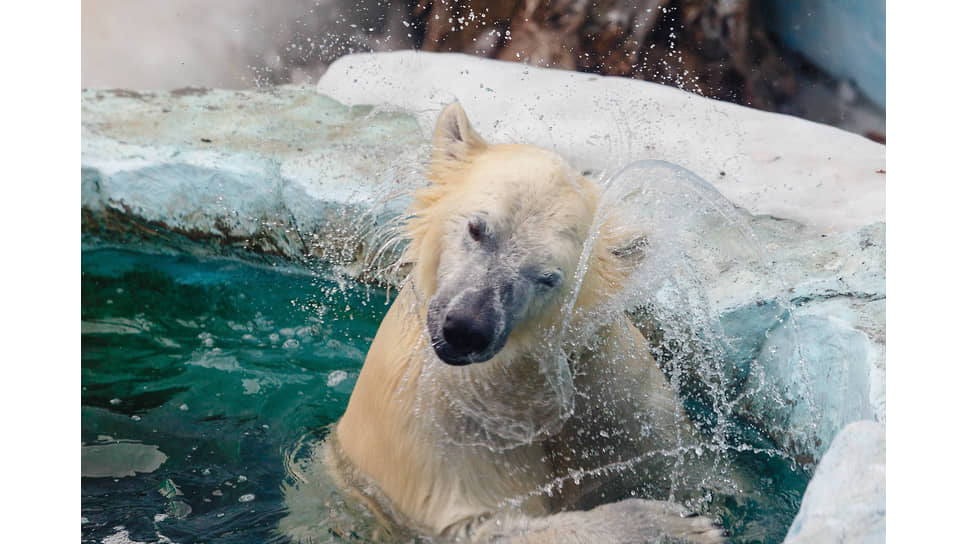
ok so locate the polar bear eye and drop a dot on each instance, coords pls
(550, 278)
(475, 228)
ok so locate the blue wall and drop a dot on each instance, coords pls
(845, 38)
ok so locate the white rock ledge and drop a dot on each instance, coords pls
(846, 500)
(771, 164)
(269, 171)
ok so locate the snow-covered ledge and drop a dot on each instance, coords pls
(278, 172)
(770, 164)
(846, 499)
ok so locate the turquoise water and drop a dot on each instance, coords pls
(225, 367)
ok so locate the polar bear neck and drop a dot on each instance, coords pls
(509, 401)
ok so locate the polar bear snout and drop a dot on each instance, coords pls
(469, 328)
(467, 333)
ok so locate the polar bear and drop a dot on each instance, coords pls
(501, 400)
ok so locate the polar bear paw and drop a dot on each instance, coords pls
(647, 521)
(632, 521)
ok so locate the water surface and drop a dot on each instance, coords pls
(223, 366)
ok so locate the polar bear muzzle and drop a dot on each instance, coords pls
(471, 326)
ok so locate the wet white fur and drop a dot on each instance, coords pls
(398, 448)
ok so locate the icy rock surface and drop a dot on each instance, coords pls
(846, 499)
(783, 325)
(823, 177)
(271, 171)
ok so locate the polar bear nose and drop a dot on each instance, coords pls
(467, 334)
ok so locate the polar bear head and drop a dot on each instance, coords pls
(498, 240)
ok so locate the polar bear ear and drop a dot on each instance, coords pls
(626, 244)
(632, 250)
(454, 138)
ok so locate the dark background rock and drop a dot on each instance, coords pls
(724, 49)
(716, 48)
